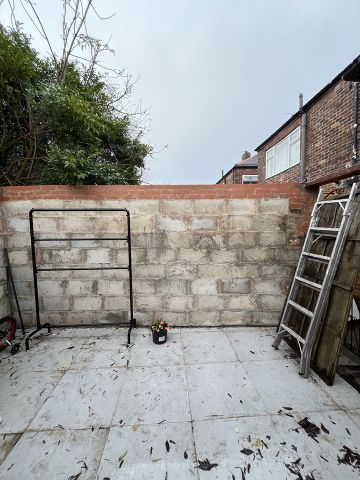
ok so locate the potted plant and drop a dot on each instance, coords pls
(159, 331)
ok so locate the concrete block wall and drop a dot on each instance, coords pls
(202, 255)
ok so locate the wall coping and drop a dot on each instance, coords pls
(153, 192)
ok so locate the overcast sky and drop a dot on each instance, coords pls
(218, 75)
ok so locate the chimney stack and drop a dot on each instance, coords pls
(301, 101)
(245, 155)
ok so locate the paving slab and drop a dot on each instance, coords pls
(153, 394)
(60, 455)
(341, 392)
(71, 332)
(7, 443)
(222, 390)
(21, 397)
(150, 452)
(50, 354)
(263, 451)
(146, 353)
(82, 399)
(103, 352)
(207, 347)
(251, 345)
(279, 384)
(324, 445)
(355, 415)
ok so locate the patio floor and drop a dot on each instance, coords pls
(209, 404)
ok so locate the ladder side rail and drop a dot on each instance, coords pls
(285, 318)
(294, 286)
(300, 267)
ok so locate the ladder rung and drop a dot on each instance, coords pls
(317, 286)
(292, 333)
(301, 309)
(319, 258)
(324, 230)
(324, 202)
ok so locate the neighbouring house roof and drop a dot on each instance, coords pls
(351, 69)
(251, 162)
(353, 75)
(248, 162)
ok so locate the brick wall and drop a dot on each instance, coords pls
(202, 255)
(329, 137)
(330, 121)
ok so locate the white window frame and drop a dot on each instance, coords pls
(271, 167)
(251, 178)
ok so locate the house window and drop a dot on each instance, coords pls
(284, 154)
(249, 179)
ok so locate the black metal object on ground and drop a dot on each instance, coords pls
(350, 373)
(11, 287)
(36, 269)
(352, 335)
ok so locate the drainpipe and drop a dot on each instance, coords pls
(354, 156)
(302, 140)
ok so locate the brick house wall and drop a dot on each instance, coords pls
(292, 174)
(329, 132)
(235, 175)
(328, 137)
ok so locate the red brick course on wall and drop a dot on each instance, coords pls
(167, 192)
(300, 200)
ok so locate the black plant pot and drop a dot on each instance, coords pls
(159, 337)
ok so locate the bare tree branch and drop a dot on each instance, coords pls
(40, 29)
(99, 16)
(65, 59)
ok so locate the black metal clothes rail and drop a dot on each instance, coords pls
(34, 240)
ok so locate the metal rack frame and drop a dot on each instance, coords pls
(36, 269)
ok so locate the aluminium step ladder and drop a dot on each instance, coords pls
(348, 206)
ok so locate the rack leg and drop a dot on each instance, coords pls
(46, 325)
(132, 325)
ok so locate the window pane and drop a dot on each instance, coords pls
(270, 153)
(269, 167)
(295, 135)
(295, 153)
(249, 179)
(282, 156)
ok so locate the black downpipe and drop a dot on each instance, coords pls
(303, 147)
(302, 139)
(354, 144)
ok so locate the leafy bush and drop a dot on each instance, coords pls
(68, 132)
